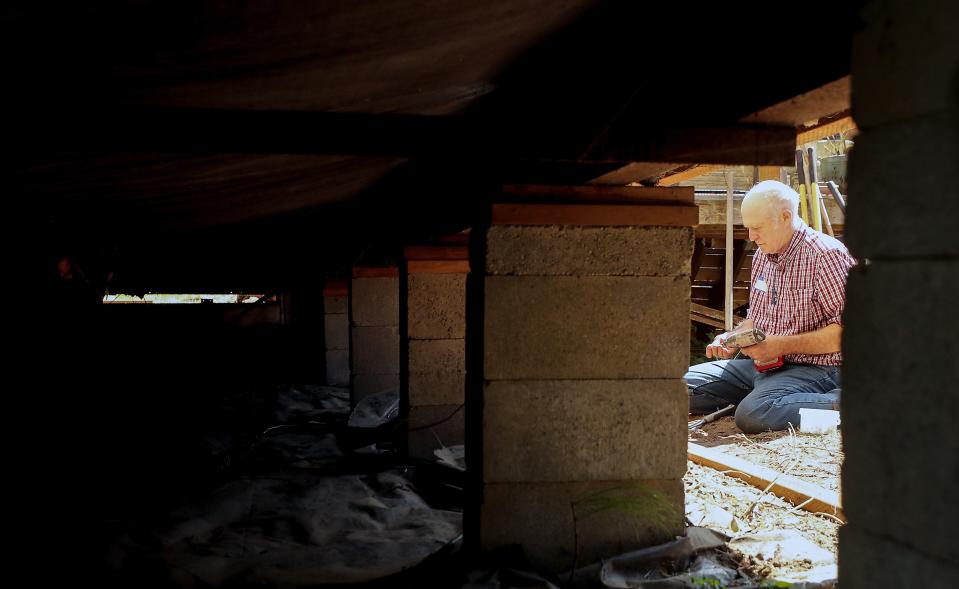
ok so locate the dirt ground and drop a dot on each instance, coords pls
(746, 514)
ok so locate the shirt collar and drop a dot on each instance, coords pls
(797, 237)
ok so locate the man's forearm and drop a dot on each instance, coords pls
(822, 341)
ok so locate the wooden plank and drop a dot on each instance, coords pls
(817, 132)
(602, 194)
(438, 266)
(706, 311)
(375, 271)
(634, 172)
(786, 486)
(706, 320)
(769, 173)
(418, 252)
(699, 254)
(596, 215)
(687, 174)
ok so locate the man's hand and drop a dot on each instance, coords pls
(718, 348)
(765, 351)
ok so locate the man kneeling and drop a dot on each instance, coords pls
(796, 297)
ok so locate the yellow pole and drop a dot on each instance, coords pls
(814, 204)
(803, 211)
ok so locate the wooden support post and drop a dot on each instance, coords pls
(730, 270)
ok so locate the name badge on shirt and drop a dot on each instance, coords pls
(761, 285)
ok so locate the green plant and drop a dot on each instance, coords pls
(706, 583)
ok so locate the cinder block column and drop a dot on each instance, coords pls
(434, 385)
(585, 341)
(899, 409)
(336, 325)
(375, 330)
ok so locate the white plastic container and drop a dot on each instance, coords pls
(818, 421)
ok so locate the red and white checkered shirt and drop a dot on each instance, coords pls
(801, 290)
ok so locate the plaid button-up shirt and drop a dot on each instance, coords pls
(801, 289)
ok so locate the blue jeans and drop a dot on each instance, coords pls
(764, 400)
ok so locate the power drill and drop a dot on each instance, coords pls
(749, 337)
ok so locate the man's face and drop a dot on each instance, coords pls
(771, 232)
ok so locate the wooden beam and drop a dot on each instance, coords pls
(788, 487)
(687, 174)
(601, 194)
(634, 172)
(815, 133)
(206, 131)
(375, 271)
(335, 287)
(438, 267)
(820, 102)
(597, 215)
(417, 252)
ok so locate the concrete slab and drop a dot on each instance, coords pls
(333, 305)
(584, 430)
(597, 327)
(376, 350)
(539, 517)
(338, 367)
(870, 561)
(437, 306)
(376, 301)
(582, 251)
(900, 441)
(437, 355)
(337, 331)
(911, 200)
(437, 388)
(432, 427)
(905, 61)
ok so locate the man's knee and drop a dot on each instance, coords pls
(755, 416)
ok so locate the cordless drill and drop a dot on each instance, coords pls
(749, 337)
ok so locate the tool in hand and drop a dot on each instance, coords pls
(711, 417)
(750, 337)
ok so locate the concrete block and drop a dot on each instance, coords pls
(337, 331)
(334, 305)
(376, 301)
(538, 516)
(338, 367)
(871, 562)
(584, 430)
(437, 388)
(588, 251)
(905, 60)
(438, 355)
(437, 306)
(597, 327)
(900, 400)
(446, 426)
(368, 384)
(904, 198)
(376, 350)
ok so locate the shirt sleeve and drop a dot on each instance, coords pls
(832, 270)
